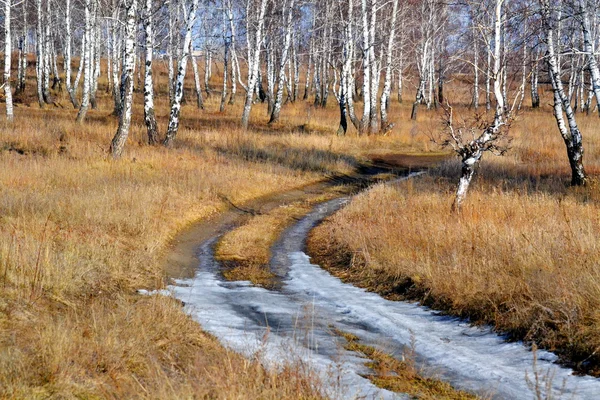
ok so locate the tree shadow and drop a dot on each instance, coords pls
(520, 179)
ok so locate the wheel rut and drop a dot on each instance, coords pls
(298, 320)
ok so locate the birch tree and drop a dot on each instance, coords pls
(592, 64)
(471, 151)
(288, 12)
(149, 117)
(118, 142)
(571, 136)
(8, 60)
(254, 38)
(173, 126)
(387, 85)
(87, 63)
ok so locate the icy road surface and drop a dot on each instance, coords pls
(295, 324)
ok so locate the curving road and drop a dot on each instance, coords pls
(295, 323)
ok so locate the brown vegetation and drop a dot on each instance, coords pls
(402, 376)
(79, 234)
(523, 255)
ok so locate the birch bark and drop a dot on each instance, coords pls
(472, 152)
(181, 69)
(8, 60)
(572, 137)
(289, 7)
(387, 85)
(592, 64)
(118, 142)
(85, 99)
(253, 60)
(149, 116)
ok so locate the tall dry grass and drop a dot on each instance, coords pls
(523, 255)
(79, 234)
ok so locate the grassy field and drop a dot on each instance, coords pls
(79, 234)
(523, 255)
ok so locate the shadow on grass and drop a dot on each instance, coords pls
(313, 160)
(522, 179)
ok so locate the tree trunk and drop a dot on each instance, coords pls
(197, 86)
(572, 137)
(589, 49)
(387, 84)
(85, 99)
(284, 60)
(535, 96)
(366, 91)
(471, 154)
(7, 61)
(253, 60)
(118, 142)
(117, 58)
(225, 70)
(207, 70)
(149, 117)
(418, 99)
(181, 69)
(39, 69)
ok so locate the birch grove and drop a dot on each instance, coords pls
(270, 54)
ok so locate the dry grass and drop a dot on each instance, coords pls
(401, 376)
(523, 255)
(79, 234)
(245, 251)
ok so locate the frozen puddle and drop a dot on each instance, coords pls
(295, 325)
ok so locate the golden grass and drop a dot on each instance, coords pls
(523, 255)
(245, 251)
(401, 376)
(79, 234)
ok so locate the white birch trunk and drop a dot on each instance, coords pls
(8, 61)
(170, 49)
(46, 60)
(284, 60)
(197, 86)
(85, 99)
(535, 97)
(207, 70)
(225, 68)
(387, 85)
(475, 65)
(488, 79)
(95, 57)
(118, 142)
(40, 54)
(68, 54)
(589, 49)
(117, 57)
(366, 91)
(149, 116)
(375, 73)
(23, 42)
(181, 69)
(235, 67)
(296, 60)
(253, 61)
(472, 153)
(572, 137)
